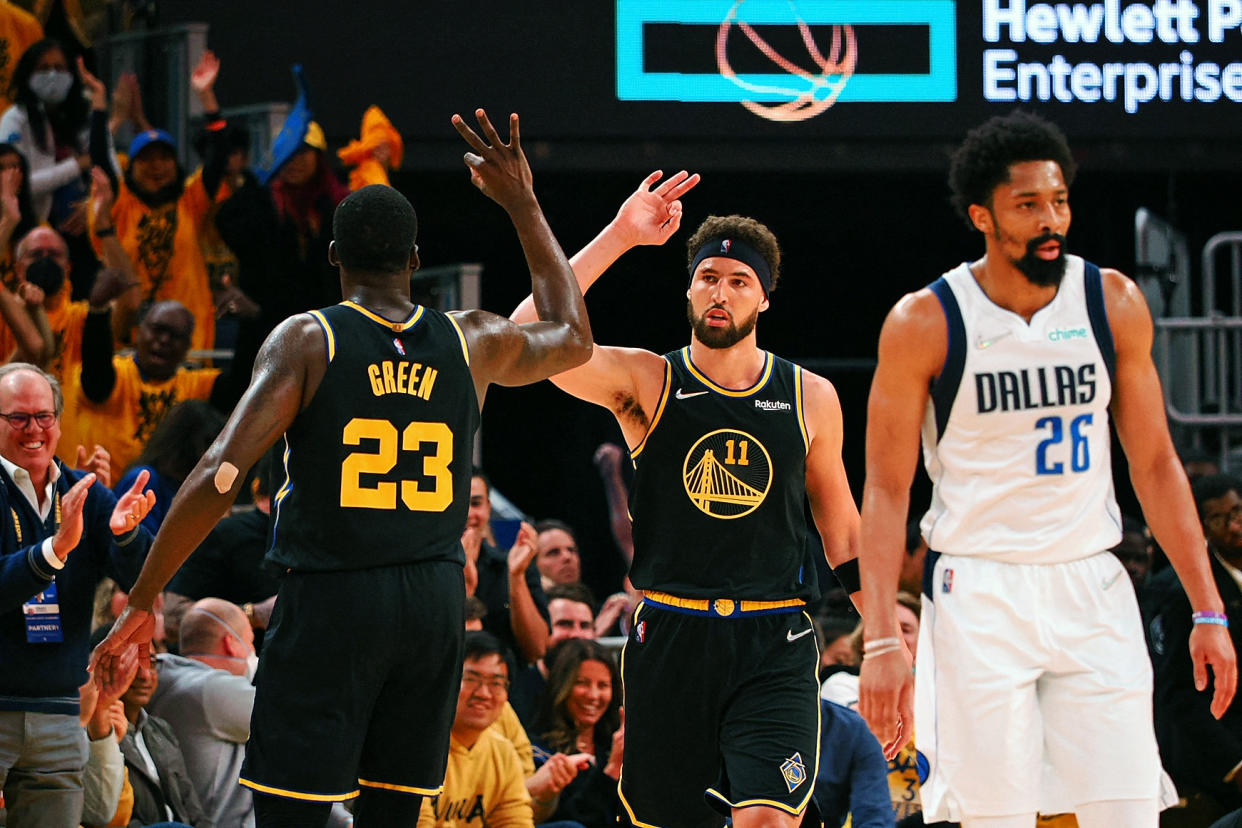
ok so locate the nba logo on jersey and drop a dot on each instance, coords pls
(640, 632)
(725, 245)
(400, 347)
(947, 584)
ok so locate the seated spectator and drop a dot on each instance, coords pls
(228, 563)
(484, 783)
(377, 150)
(108, 796)
(571, 615)
(853, 777)
(1134, 552)
(1203, 754)
(506, 581)
(558, 559)
(162, 787)
(581, 713)
(206, 696)
(476, 611)
(836, 641)
(170, 455)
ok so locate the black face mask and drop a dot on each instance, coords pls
(46, 275)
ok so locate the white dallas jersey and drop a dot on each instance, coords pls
(1016, 436)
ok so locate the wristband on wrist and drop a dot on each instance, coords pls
(881, 643)
(891, 648)
(848, 576)
(1206, 617)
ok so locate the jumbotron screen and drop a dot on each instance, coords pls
(920, 69)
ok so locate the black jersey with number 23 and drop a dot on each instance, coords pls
(378, 465)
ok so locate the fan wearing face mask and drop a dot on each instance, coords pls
(49, 123)
(206, 696)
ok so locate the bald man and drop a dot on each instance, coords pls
(206, 696)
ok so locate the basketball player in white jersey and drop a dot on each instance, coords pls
(1034, 687)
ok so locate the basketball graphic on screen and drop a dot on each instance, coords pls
(810, 91)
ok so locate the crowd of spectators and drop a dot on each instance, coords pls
(113, 268)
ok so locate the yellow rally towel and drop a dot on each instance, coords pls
(376, 130)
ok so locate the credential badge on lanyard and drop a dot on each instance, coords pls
(42, 612)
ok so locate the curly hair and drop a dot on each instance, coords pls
(982, 161)
(754, 233)
(556, 728)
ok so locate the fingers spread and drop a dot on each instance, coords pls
(515, 140)
(467, 133)
(489, 131)
(649, 181)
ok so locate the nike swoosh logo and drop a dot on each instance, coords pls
(682, 395)
(988, 343)
(792, 636)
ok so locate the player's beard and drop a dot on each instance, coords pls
(1043, 272)
(719, 338)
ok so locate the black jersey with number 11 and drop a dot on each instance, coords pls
(378, 465)
(719, 488)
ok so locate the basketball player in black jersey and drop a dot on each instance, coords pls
(377, 400)
(721, 698)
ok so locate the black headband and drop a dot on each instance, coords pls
(739, 250)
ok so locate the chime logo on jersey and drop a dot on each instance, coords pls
(794, 771)
(400, 347)
(727, 473)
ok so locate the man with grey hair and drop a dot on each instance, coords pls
(61, 535)
(206, 695)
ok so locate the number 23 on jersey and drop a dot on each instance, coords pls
(383, 495)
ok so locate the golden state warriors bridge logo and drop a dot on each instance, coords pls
(727, 473)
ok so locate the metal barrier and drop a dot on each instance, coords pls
(1199, 358)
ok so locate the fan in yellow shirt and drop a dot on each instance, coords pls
(484, 784)
(117, 401)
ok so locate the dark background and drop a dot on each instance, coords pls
(856, 195)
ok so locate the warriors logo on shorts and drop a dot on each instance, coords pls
(727, 473)
(794, 771)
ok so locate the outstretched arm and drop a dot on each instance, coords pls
(622, 380)
(287, 372)
(500, 351)
(1160, 481)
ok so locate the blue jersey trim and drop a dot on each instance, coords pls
(1093, 282)
(944, 387)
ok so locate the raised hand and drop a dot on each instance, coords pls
(94, 86)
(498, 169)
(109, 284)
(132, 506)
(102, 198)
(69, 533)
(205, 72)
(99, 462)
(31, 294)
(651, 216)
(523, 550)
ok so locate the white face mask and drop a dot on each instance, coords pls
(51, 85)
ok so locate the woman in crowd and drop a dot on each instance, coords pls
(581, 713)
